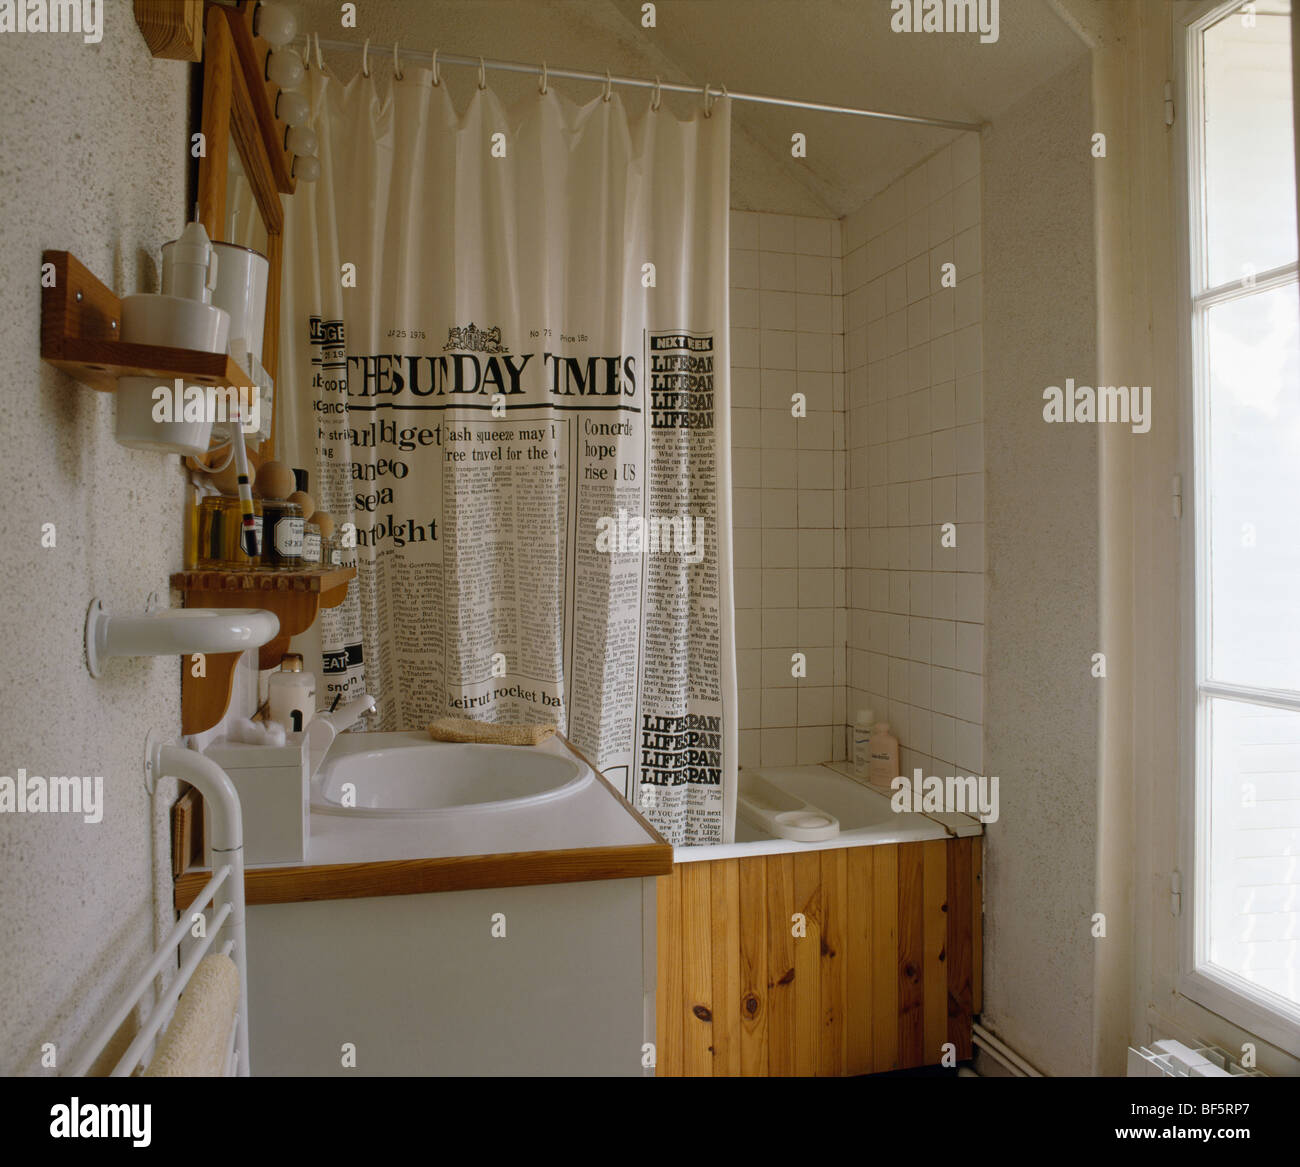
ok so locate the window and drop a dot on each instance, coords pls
(1242, 941)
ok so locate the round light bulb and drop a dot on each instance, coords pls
(301, 140)
(275, 23)
(292, 108)
(284, 67)
(306, 169)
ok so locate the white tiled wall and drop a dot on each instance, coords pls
(916, 462)
(788, 476)
(888, 618)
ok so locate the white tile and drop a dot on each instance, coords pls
(942, 360)
(965, 157)
(920, 548)
(944, 590)
(918, 687)
(813, 352)
(776, 271)
(780, 588)
(918, 367)
(970, 647)
(781, 630)
(918, 502)
(778, 747)
(943, 643)
(969, 399)
(748, 547)
(780, 469)
(898, 677)
(777, 349)
(942, 690)
(970, 547)
(943, 496)
(966, 205)
(813, 745)
(750, 754)
(968, 356)
(968, 302)
(968, 745)
(744, 230)
(970, 498)
(744, 348)
(918, 278)
(780, 512)
(854, 229)
(744, 269)
(967, 253)
(943, 453)
(816, 548)
(941, 736)
(918, 640)
(744, 308)
(776, 232)
(813, 274)
(876, 297)
(941, 220)
(898, 592)
(919, 592)
(938, 173)
(895, 289)
(813, 236)
(898, 511)
(777, 310)
(970, 598)
(970, 448)
(919, 732)
(942, 405)
(918, 233)
(941, 311)
(916, 188)
(918, 322)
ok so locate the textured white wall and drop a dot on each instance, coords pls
(1043, 601)
(94, 161)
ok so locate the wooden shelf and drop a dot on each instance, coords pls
(294, 596)
(80, 325)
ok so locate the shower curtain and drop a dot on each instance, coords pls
(505, 362)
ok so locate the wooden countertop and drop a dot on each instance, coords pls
(299, 883)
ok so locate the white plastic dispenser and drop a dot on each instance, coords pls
(292, 694)
(766, 806)
(274, 795)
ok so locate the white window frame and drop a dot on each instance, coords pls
(1258, 1011)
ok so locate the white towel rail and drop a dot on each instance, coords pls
(224, 893)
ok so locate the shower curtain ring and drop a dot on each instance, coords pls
(397, 67)
(320, 60)
(657, 100)
(708, 102)
(365, 58)
(306, 51)
(437, 80)
(609, 87)
(541, 88)
(482, 74)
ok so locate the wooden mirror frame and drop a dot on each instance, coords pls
(239, 107)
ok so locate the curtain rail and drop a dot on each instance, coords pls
(387, 51)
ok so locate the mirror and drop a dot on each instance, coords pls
(244, 224)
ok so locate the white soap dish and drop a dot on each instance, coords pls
(175, 631)
(766, 806)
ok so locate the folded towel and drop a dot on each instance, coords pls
(466, 729)
(194, 1045)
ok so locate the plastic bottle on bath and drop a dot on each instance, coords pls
(883, 768)
(862, 742)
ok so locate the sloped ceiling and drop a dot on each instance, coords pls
(840, 52)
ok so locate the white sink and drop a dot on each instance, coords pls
(404, 775)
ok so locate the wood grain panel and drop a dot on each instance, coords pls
(884, 959)
(754, 994)
(697, 971)
(858, 961)
(668, 991)
(724, 908)
(935, 971)
(834, 879)
(880, 980)
(911, 953)
(780, 966)
(959, 946)
(977, 925)
(807, 963)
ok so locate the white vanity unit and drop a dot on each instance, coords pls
(512, 935)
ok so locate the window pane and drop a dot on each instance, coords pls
(1252, 434)
(1249, 148)
(1254, 845)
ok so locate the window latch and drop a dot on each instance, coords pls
(1175, 893)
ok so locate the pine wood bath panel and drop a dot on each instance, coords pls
(884, 972)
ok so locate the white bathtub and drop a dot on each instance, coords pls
(865, 817)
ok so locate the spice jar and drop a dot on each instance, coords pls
(282, 530)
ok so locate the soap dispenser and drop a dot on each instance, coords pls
(292, 694)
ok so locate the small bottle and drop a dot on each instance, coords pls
(311, 543)
(292, 694)
(862, 742)
(883, 768)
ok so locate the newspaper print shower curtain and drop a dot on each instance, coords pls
(505, 361)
